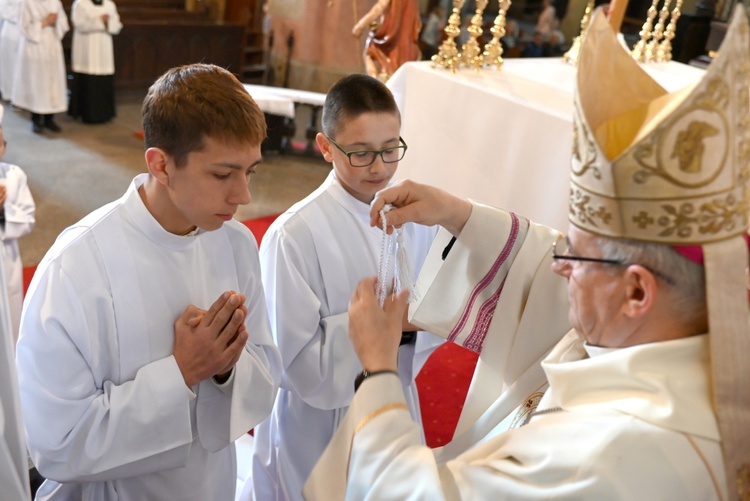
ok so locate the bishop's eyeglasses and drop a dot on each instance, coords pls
(561, 251)
(365, 158)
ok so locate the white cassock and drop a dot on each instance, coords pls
(106, 409)
(39, 80)
(312, 259)
(632, 423)
(92, 51)
(14, 466)
(19, 221)
(10, 34)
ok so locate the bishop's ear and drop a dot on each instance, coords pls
(157, 161)
(642, 286)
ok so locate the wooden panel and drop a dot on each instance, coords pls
(146, 49)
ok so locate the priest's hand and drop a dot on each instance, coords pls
(422, 204)
(210, 343)
(375, 332)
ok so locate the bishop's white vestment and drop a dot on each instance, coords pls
(19, 211)
(40, 80)
(631, 423)
(106, 409)
(312, 259)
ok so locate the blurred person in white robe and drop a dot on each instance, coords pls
(145, 349)
(14, 467)
(92, 93)
(39, 79)
(10, 34)
(646, 395)
(17, 210)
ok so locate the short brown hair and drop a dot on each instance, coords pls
(353, 96)
(191, 102)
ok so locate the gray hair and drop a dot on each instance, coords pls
(685, 280)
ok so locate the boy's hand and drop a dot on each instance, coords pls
(210, 343)
(375, 332)
(422, 204)
(50, 19)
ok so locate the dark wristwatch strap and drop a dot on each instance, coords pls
(365, 374)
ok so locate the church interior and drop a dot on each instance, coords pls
(306, 46)
(498, 133)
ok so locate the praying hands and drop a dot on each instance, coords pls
(209, 343)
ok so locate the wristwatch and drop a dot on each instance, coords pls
(365, 374)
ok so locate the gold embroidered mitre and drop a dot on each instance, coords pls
(658, 166)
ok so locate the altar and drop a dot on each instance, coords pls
(503, 138)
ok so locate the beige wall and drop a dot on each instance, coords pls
(324, 48)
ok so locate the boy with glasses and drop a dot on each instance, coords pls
(312, 258)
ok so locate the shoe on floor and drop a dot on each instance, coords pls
(51, 125)
(36, 128)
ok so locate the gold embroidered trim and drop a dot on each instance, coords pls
(708, 466)
(527, 409)
(377, 412)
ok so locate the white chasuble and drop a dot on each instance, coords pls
(106, 408)
(634, 423)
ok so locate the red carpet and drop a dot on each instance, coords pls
(259, 225)
(442, 382)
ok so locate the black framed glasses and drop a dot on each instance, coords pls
(561, 251)
(365, 158)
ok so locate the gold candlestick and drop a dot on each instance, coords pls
(572, 55)
(640, 48)
(664, 52)
(493, 51)
(658, 32)
(471, 54)
(447, 55)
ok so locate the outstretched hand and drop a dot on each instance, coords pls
(375, 332)
(422, 204)
(209, 343)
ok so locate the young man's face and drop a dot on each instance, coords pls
(369, 131)
(208, 189)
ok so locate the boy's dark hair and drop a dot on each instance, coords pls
(352, 96)
(188, 103)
